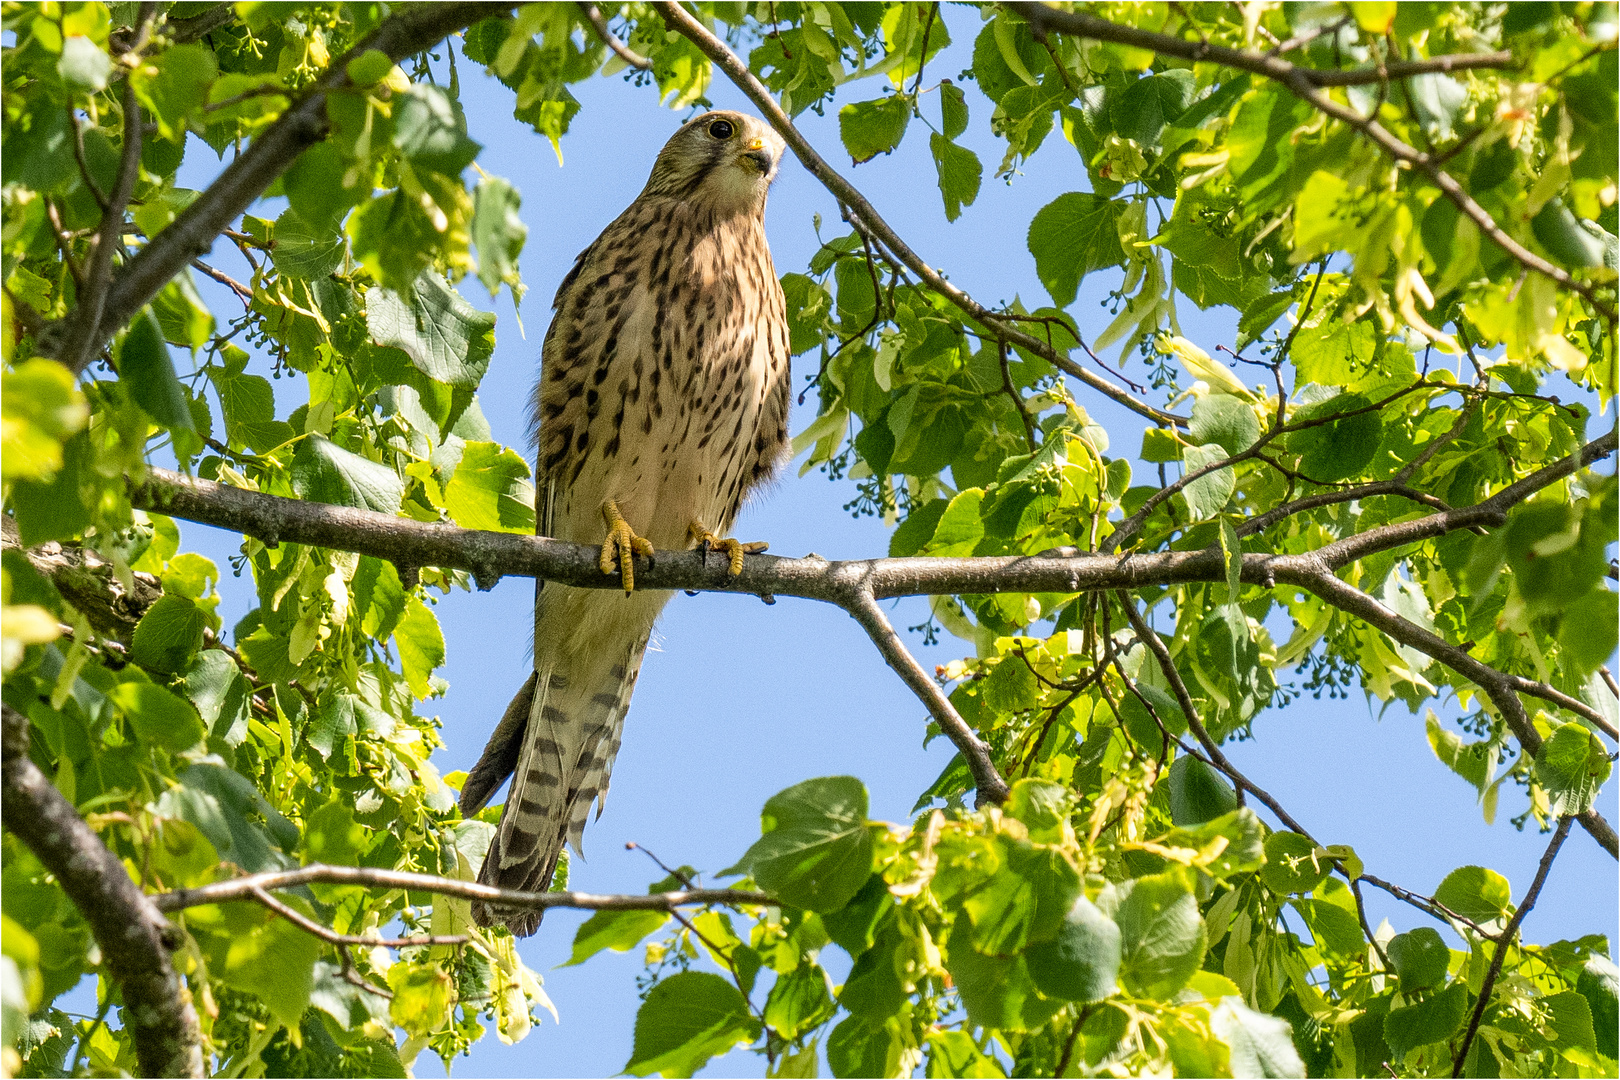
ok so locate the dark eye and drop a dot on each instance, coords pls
(721, 129)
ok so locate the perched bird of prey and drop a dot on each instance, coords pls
(662, 402)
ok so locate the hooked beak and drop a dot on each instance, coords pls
(757, 154)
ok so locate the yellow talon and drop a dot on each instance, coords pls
(622, 545)
(734, 549)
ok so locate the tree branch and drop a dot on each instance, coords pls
(1300, 82)
(251, 886)
(866, 219)
(986, 778)
(620, 49)
(409, 30)
(80, 344)
(1154, 644)
(135, 938)
(1501, 689)
(857, 584)
(1506, 940)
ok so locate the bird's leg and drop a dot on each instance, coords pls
(622, 544)
(734, 549)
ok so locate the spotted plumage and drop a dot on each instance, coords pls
(662, 402)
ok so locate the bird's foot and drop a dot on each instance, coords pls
(734, 549)
(622, 546)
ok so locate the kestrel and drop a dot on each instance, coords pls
(662, 402)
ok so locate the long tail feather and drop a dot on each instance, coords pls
(572, 726)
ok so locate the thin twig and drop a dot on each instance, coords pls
(594, 15)
(1150, 638)
(331, 937)
(1506, 940)
(988, 781)
(83, 337)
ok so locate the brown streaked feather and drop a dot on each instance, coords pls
(663, 387)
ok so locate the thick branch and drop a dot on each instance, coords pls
(1506, 940)
(1301, 84)
(866, 218)
(409, 30)
(131, 930)
(850, 585)
(250, 888)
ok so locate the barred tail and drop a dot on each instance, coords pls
(561, 759)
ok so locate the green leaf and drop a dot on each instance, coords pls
(41, 408)
(393, 238)
(1070, 237)
(429, 131)
(799, 1001)
(953, 109)
(1419, 957)
(158, 716)
(1149, 103)
(684, 1021)
(332, 836)
(334, 720)
(1244, 834)
(1292, 864)
(1223, 420)
(1599, 983)
(223, 805)
(1338, 449)
(490, 490)
(323, 471)
(421, 646)
(1334, 928)
(1198, 793)
(446, 338)
(499, 233)
(1433, 1020)
(1207, 495)
(1590, 631)
(959, 174)
(1082, 963)
(369, 68)
(1566, 238)
(173, 86)
(145, 368)
(423, 994)
(305, 250)
(276, 962)
(169, 634)
(1572, 765)
(870, 128)
(1163, 934)
(1572, 1025)
(620, 931)
(861, 1047)
(1160, 445)
(250, 410)
(997, 991)
(816, 851)
(84, 64)
(1477, 893)
(1261, 1045)
(222, 695)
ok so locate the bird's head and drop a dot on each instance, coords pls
(727, 159)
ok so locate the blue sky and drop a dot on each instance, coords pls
(742, 700)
